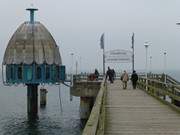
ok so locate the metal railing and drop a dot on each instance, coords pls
(96, 121)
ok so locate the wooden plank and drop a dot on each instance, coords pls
(133, 112)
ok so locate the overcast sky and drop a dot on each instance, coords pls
(77, 25)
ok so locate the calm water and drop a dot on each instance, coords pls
(13, 116)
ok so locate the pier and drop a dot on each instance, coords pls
(140, 111)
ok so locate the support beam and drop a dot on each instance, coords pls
(86, 104)
(32, 101)
(43, 97)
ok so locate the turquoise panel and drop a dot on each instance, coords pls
(34, 73)
(29, 73)
(8, 73)
(62, 73)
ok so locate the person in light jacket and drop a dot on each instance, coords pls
(125, 79)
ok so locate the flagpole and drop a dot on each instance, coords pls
(103, 61)
(102, 47)
(133, 52)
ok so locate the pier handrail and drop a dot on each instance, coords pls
(172, 80)
(80, 77)
(161, 90)
(95, 123)
(163, 77)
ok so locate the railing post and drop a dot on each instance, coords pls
(164, 92)
(146, 84)
(164, 97)
(172, 100)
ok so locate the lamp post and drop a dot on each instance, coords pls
(150, 64)
(164, 62)
(80, 64)
(76, 67)
(165, 53)
(146, 44)
(72, 54)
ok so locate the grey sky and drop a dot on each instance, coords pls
(77, 26)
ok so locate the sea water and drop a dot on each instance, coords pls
(52, 119)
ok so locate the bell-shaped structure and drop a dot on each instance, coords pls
(32, 43)
(32, 56)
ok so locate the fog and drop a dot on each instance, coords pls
(77, 25)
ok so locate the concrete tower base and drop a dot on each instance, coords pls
(32, 101)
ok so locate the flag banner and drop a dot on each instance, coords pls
(118, 56)
(102, 41)
(133, 41)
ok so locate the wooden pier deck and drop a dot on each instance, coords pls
(133, 112)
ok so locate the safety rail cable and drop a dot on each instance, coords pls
(95, 123)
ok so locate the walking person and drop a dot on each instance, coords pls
(134, 79)
(125, 79)
(114, 74)
(96, 73)
(110, 75)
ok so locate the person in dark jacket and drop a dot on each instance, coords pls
(114, 74)
(109, 74)
(134, 79)
(96, 74)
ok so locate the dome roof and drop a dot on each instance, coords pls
(32, 42)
